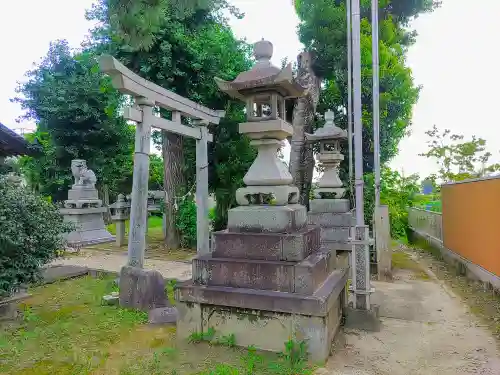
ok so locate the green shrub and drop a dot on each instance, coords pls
(186, 222)
(31, 232)
(212, 214)
(398, 193)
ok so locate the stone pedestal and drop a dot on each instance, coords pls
(84, 209)
(335, 219)
(89, 223)
(281, 282)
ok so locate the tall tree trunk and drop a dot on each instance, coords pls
(301, 153)
(173, 157)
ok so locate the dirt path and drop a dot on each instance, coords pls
(426, 330)
(114, 262)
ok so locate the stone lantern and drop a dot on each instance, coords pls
(264, 89)
(267, 271)
(120, 213)
(330, 157)
(329, 209)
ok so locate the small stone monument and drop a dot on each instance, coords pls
(84, 209)
(329, 210)
(266, 272)
(120, 213)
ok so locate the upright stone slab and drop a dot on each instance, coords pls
(266, 272)
(142, 289)
(84, 209)
(328, 209)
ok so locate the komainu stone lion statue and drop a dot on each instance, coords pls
(83, 176)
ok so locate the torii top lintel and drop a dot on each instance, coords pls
(128, 82)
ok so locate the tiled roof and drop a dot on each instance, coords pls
(12, 144)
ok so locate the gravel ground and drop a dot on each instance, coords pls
(114, 262)
(426, 330)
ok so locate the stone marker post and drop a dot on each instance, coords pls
(383, 242)
(202, 224)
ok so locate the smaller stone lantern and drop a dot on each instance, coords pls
(330, 157)
(329, 209)
(120, 213)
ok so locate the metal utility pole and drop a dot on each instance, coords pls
(376, 102)
(360, 258)
(358, 126)
(349, 93)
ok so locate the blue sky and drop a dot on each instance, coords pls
(454, 59)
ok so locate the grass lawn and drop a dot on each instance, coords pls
(156, 248)
(66, 330)
(403, 261)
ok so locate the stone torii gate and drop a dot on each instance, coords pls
(146, 96)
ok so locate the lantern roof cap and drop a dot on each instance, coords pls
(263, 76)
(328, 131)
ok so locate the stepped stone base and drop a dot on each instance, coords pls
(247, 313)
(293, 277)
(335, 225)
(89, 223)
(266, 281)
(267, 246)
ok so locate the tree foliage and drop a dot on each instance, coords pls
(136, 24)
(458, 159)
(77, 115)
(230, 157)
(31, 232)
(183, 54)
(323, 30)
(398, 192)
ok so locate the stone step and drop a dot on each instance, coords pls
(317, 304)
(335, 234)
(329, 205)
(337, 245)
(292, 277)
(331, 219)
(267, 246)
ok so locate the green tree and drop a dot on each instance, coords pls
(77, 115)
(322, 29)
(398, 193)
(155, 172)
(458, 159)
(183, 52)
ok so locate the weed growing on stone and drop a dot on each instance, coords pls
(209, 337)
(197, 337)
(170, 289)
